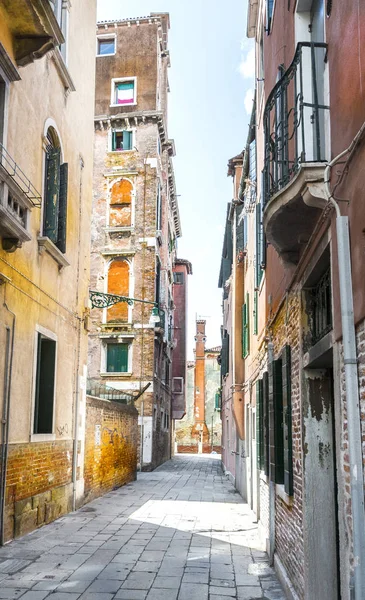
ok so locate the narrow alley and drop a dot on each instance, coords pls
(180, 532)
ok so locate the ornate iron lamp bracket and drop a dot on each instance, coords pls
(101, 300)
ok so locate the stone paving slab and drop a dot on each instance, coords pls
(178, 533)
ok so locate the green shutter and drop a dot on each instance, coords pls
(255, 313)
(117, 358)
(62, 210)
(246, 327)
(276, 422)
(127, 140)
(269, 11)
(52, 194)
(287, 421)
(259, 425)
(114, 140)
(266, 433)
(45, 377)
(225, 356)
(259, 234)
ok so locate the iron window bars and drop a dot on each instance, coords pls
(294, 118)
(321, 307)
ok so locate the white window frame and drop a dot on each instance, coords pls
(122, 80)
(103, 37)
(118, 340)
(43, 437)
(132, 130)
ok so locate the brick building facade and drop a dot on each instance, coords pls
(46, 101)
(302, 451)
(135, 223)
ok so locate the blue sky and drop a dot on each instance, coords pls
(211, 81)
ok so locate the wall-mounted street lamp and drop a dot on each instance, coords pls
(101, 300)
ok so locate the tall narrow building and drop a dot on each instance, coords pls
(135, 224)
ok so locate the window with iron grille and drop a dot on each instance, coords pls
(55, 193)
(321, 298)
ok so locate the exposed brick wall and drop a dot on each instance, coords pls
(110, 446)
(289, 518)
(38, 486)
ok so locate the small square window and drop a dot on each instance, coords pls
(178, 277)
(123, 92)
(106, 46)
(122, 140)
(117, 358)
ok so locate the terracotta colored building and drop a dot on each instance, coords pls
(135, 224)
(200, 430)
(46, 161)
(307, 407)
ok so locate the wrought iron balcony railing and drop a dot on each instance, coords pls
(8, 164)
(294, 118)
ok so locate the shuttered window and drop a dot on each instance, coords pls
(117, 358)
(255, 312)
(259, 246)
(45, 380)
(51, 205)
(276, 421)
(259, 425)
(245, 328)
(55, 196)
(158, 208)
(122, 140)
(287, 420)
(225, 356)
(62, 208)
(269, 11)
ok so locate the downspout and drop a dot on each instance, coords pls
(5, 418)
(351, 379)
(233, 337)
(270, 357)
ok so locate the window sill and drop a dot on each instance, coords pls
(119, 229)
(121, 105)
(45, 245)
(280, 491)
(121, 151)
(109, 375)
(42, 437)
(63, 71)
(102, 55)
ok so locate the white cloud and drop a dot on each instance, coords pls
(248, 100)
(247, 64)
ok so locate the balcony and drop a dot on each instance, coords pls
(17, 197)
(33, 27)
(295, 124)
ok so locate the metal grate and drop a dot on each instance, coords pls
(322, 307)
(294, 118)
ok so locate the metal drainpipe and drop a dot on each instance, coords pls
(351, 382)
(270, 356)
(5, 419)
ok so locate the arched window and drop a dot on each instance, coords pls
(118, 283)
(55, 192)
(121, 204)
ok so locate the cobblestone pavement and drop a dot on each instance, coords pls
(178, 533)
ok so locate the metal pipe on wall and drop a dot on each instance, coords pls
(351, 377)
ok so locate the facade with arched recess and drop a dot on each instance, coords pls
(135, 225)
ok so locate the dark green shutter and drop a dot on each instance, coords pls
(276, 422)
(259, 425)
(255, 312)
(62, 211)
(114, 140)
(266, 433)
(52, 194)
(287, 421)
(246, 327)
(117, 358)
(45, 377)
(127, 140)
